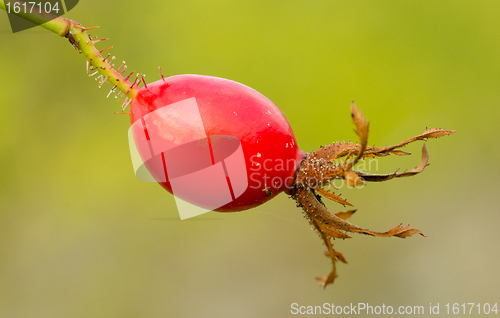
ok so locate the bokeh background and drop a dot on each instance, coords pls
(80, 236)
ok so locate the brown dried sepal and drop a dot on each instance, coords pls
(319, 169)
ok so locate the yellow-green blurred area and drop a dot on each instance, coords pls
(80, 236)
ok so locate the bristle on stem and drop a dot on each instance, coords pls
(89, 66)
(100, 40)
(145, 85)
(100, 52)
(112, 90)
(135, 81)
(103, 81)
(127, 78)
(104, 60)
(91, 28)
(161, 73)
(126, 103)
(118, 69)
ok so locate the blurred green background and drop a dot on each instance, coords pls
(80, 236)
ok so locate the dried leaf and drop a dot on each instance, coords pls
(333, 197)
(400, 153)
(339, 150)
(345, 215)
(431, 133)
(334, 226)
(326, 280)
(423, 164)
(338, 256)
(376, 177)
(398, 231)
(331, 231)
(384, 177)
(362, 127)
(319, 169)
(352, 179)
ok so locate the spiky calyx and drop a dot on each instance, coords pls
(320, 169)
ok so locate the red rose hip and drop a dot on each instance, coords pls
(228, 110)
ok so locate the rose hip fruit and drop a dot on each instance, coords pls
(232, 109)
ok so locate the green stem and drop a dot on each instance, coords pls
(78, 37)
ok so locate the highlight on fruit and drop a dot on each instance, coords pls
(218, 145)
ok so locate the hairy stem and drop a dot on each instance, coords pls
(78, 37)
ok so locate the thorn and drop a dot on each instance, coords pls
(103, 81)
(89, 66)
(161, 73)
(104, 60)
(95, 41)
(91, 28)
(129, 76)
(119, 94)
(124, 69)
(118, 69)
(126, 103)
(145, 85)
(112, 90)
(135, 81)
(106, 49)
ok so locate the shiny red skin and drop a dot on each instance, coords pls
(231, 108)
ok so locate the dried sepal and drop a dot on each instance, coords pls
(384, 177)
(338, 150)
(430, 133)
(333, 197)
(397, 231)
(338, 256)
(319, 169)
(352, 179)
(330, 231)
(362, 127)
(345, 215)
(334, 226)
(334, 256)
